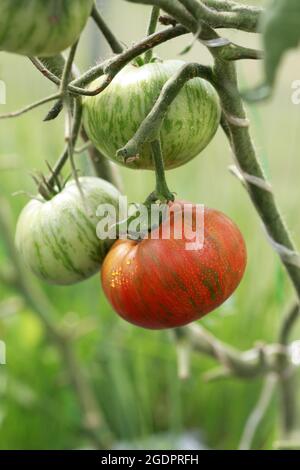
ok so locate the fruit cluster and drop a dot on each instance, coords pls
(152, 282)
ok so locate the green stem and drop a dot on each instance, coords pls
(67, 71)
(114, 43)
(112, 66)
(185, 11)
(28, 108)
(74, 135)
(162, 191)
(266, 207)
(151, 29)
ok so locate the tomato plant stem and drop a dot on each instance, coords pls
(151, 29)
(114, 43)
(162, 191)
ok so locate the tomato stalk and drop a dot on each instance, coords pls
(114, 43)
(151, 29)
(162, 192)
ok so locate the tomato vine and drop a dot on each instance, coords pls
(202, 19)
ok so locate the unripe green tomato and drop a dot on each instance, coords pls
(41, 27)
(57, 238)
(112, 117)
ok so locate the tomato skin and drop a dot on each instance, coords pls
(112, 117)
(158, 284)
(41, 27)
(57, 239)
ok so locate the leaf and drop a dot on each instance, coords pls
(281, 32)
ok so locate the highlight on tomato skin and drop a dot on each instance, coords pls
(157, 283)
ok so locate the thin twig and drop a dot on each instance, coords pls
(64, 157)
(248, 364)
(68, 69)
(288, 323)
(114, 65)
(258, 412)
(28, 108)
(114, 43)
(151, 29)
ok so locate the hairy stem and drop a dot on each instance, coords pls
(114, 65)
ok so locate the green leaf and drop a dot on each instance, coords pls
(281, 32)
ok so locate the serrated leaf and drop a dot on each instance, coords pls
(281, 32)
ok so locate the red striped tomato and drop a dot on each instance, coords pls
(157, 283)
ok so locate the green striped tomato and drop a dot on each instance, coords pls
(112, 117)
(41, 27)
(57, 239)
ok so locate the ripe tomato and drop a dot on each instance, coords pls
(157, 283)
(112, 117)
(41, 27)
(57, 239)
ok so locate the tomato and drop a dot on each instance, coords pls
(41, 27)
(57, 238)
(158, 283)
(112, 117)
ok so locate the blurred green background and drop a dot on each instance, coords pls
(133, 371)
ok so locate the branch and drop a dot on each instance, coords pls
(43, 69)
(93, 422)
(288, 324)
(112, 66)
(229, 5)
(258, 413)
(103, 167)
(114, 43)
(151, 30)
(67, 70)
(248, 364)
(242, 18)
(287, 378)
(204, 32)
(28, 108)
(245, 20)
(65, 155)
(263, 199)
